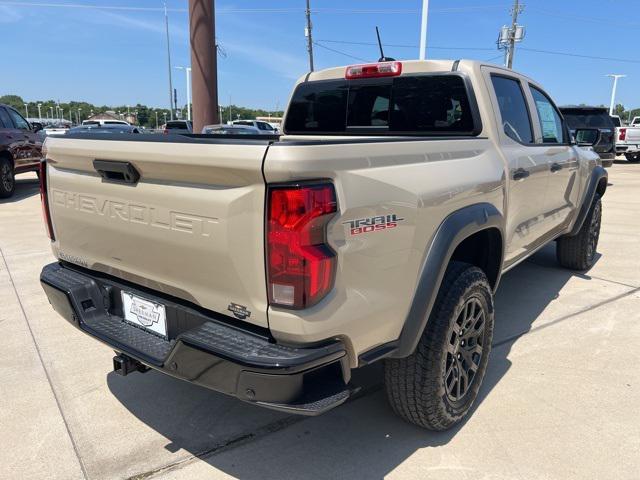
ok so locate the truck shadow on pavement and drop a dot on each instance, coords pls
(362, 439)
(25, 187)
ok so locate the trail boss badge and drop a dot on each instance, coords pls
(373, 224)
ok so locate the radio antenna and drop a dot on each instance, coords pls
(382, 57)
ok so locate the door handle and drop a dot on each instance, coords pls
(521, 174)
(116, 172)
(556, 167)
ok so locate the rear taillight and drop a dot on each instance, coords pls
(623, 134)
(44, 199)
(300, 263)
(373, 70)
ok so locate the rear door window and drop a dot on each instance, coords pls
(409, 105)
(549, 118)
(513, 109)
(585, 118)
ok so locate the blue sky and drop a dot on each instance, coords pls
(118, 56)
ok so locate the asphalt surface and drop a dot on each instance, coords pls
(561, 398)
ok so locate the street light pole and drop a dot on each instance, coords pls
(423, 30)
(26, 110)
(188, 74)
(613, 91)
(166, 25)
(39, 111)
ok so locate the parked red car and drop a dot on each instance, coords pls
(20, 148)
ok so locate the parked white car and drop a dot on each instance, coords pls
(58, 129)
(264, 128)
(105, 122)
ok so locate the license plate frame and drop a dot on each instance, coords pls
(144, 313)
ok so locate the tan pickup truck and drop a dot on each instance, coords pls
(375, 229)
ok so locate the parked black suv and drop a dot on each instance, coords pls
(20, 148)
(594, 117)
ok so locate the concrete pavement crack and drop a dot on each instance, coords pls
(44, 368)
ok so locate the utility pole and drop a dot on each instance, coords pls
(423, 30)
(615, 77)
(511, 48)
(26, 110)
(39, 111)
(307, 33)
(204, 62)
(166, 25)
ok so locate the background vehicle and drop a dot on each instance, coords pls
(101, 129)
(230, 130)
(56, 129)
(635, 122)
(104, 122)
(263, 128)
(20, 148)
(627, 140)
(376, 228)
(594, 117)
(178, 126)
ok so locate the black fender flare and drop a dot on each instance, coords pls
(597, 174)
(456, 227)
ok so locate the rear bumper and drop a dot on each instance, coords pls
(203, 348)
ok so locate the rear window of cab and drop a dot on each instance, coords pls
(406, 105)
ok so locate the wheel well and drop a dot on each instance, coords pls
(602, 186)
(484, 250)
(6, 154)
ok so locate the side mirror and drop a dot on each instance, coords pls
(587, 137)
(36, 126)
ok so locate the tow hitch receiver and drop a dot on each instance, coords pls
(124, 365)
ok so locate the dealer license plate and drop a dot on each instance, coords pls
(144, 313)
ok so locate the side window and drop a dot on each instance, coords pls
(513, 109)
(5, 120)
(18, 121)
(550, 120)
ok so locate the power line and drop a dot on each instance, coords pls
(592, 57)
(346, 42)
(339, 52)
(368, 11)
(535, 50)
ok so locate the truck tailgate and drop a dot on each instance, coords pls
(191, 226)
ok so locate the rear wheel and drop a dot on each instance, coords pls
(436, 385)
(7, 178)
(632, 157)
(579, 252)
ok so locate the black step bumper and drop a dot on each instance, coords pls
(203, 347)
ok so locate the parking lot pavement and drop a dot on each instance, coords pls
(560, 399)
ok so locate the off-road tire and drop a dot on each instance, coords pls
(579, 251)
(416, 385)
(7, 178)
(632, 157)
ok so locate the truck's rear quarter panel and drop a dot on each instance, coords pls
(421, 182)
(192, 227)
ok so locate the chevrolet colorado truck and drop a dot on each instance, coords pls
(375, 229)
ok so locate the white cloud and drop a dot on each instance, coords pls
(285, 64)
